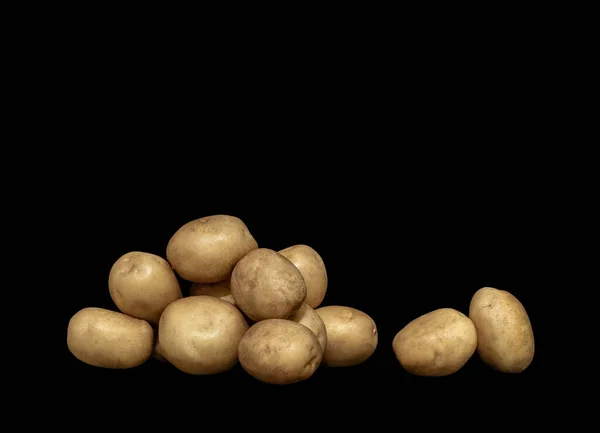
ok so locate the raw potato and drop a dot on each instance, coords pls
(200, 334)
(280, 352)
(438, 343)
(311, 266)
(504, 332)
(220, 290)
(351, 335)
(142, 284)
(109, 339)
(266, 285)
(205, 250)
(308, 317)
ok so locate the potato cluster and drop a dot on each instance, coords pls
(246, 304)
(440, 343)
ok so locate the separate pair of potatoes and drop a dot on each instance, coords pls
(440, 343)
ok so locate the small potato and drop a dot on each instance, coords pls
(438, 343)
(266, 285)
(200, 334)
(220, 290)
(351, 335)
(504, 334)
(142, 284)
(311, 266)
(280, 352)
(205, 250)
(108, 339)
(308, 317)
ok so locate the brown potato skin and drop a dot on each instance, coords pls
(221, 290)
(205, 250)
(351, 335)
(142, 284)
(505, 338)
(311, 266)
(308, 317)
(200, 334)
(266, 285)
(109, 339)
(438, 343)
(280, 352)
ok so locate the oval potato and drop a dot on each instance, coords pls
(266, 285)
(351, 335)
(220, 290)
(504, 333)
(311, 266)
(200, 334)
(438, 343)
(280, 352)
(205, 250)
(308, 317)
(142, 284)
(109, 339)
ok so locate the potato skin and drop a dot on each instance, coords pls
(109, 339)
(311, 266)
(220, 290)
(438, 343)
(308, 317)
(266, 285)
(200, 334)
(351, 335)
(205, 250)
(142, 284)
(505, 338)
(279, 351)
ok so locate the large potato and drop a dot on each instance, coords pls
(351, 335)
(311, 266)
(280, 352)
(200, 334)
(220, 290)
(308, 317)
(504, 333)
(205, 250)
(109, 339)
(142, 284)
(266, 285)
(436, 344)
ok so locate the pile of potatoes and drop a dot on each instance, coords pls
(246, 304)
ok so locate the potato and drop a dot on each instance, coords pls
(308, 317)
(351, 335)
(266, 285)
(311, 266)
(200, 334)
(109, 339)
(142, 284)
(205, 250)
(504, 334)
(280, 352)
(438, 343)
(220, 290)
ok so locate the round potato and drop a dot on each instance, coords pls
(351, 335)
(205, 250)
(438, 343)
(109, 339)
(311, 266)
(504, 334)
(220, 290)
(266, 285)
(142, 284)
(200, 334)
(280, 352)
(308, 317)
